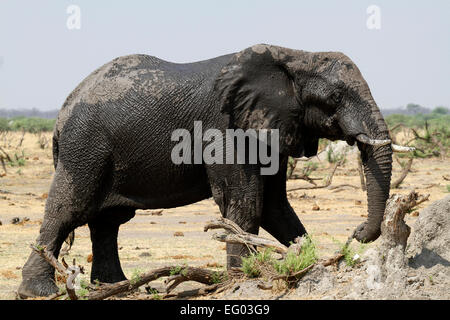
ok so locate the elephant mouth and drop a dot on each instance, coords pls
(350, 140)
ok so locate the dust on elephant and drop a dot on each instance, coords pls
(112, 146)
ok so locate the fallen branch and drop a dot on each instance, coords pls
(235, 234)
(176, 274)
(44, 253)
(187, 274)
(250, 240)
(344, 185)
(194, 274)
(403, 175)
(69, 273)
(73, 271)
(429, 186)
(216, 288)
(304, 177)
(325, 185)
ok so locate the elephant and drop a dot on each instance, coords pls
(112, 146)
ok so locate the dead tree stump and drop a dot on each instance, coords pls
(387, 265)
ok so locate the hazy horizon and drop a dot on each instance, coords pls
(42, 61)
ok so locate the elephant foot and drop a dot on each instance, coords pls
(235, 252)
(38, 278)
(112, 276)
(37, 287)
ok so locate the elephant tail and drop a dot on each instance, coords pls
(55, 147)
(71, 237)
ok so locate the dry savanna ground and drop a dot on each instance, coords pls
(175, 236)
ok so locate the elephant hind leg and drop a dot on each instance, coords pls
(67, 208)
(38, 276)
(104, 231)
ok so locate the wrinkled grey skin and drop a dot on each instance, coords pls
(112, 146)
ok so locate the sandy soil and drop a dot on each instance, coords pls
(149, 241)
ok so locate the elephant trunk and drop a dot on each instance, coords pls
(377, 169)
(377, 161)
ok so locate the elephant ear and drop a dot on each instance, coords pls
(257, 92)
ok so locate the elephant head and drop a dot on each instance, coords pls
(307, 96)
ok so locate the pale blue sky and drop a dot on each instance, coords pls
(41, 61)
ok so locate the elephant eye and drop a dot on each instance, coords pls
(336, 97)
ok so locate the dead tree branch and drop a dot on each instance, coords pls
(403, 175)
(69, 273)
(234, 234)
(3, 164)
(250, 240)
(237, 235)
(194, 274)
(6, 154)
(216, 288)
(394, 230)
(292, 163)
(21, 138)
(326, 184)
(185, 274)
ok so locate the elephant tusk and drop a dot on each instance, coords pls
(373, 142)
(402, 149)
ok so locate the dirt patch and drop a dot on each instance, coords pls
(8, 274)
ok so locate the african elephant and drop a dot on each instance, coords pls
(112, 146)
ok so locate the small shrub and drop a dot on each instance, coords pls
(84, 284)
(290, 167)
(263, 263)
(155, 294)
(177, 270)
(31, 124)
(218, 277)
(252, 265)
(310, 167)
(293, 263)
(82, 293)
(136, 276)
(350, 253)
(333, 157)
(18, 160)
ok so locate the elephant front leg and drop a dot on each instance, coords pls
(240, 198)
(246, 216)
(278, 217)
(281, 221)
